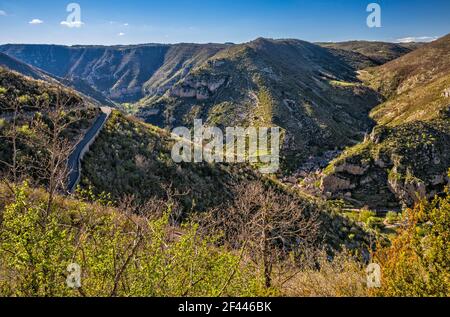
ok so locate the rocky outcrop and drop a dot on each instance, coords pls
(341, 178)
(198, 89)
(396, 165)
(333, 184)
(202, 93)
(407, 192)
(438, 180)
(379, 134)
(351, 169)
(183, 92)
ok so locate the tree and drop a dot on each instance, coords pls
(38, 142)
(33, 257)
(271, 225)
(418, 261)
(11, 135)
(52, 143)
(119, 253)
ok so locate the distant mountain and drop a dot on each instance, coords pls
(20, 67)
(415, 84)
(36, 73)
(178, 61)
(120, 73)
(309, 91)
(408, 153)
(376, 52)
(314, 96)
(312, 92)
(126, 74)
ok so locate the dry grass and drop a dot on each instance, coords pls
(343, 276)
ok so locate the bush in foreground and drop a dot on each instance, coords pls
(119, 254)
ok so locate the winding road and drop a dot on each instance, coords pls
(74, 160)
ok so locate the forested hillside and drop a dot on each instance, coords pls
(364, 177)
(406, 157)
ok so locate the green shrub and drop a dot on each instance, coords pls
(365, 215)
(392, 217)
(119, 254)
(24, 100)
(418, 261)
(374, 223)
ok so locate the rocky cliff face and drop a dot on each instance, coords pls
(304, 89)
(407, 155)
(200, 89)
(121, 73)
(394, 167)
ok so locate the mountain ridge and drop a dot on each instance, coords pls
(313, 96)
(406, 156)
(118, 72)
(91, 63)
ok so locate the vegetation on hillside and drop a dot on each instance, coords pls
(41, 123)
(285, 83)
(135, 252)
(132, 158)
(377, 53)
(406, 157)
(142, 225)
(31, 94)
(396, 164)
(119, 252)
(418, 261)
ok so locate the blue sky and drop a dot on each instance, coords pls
(171, 21)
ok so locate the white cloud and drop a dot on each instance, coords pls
(121, 34)
(36, 21)
(72, 24)
(3, 13)
(125, 24)
(417, 39)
